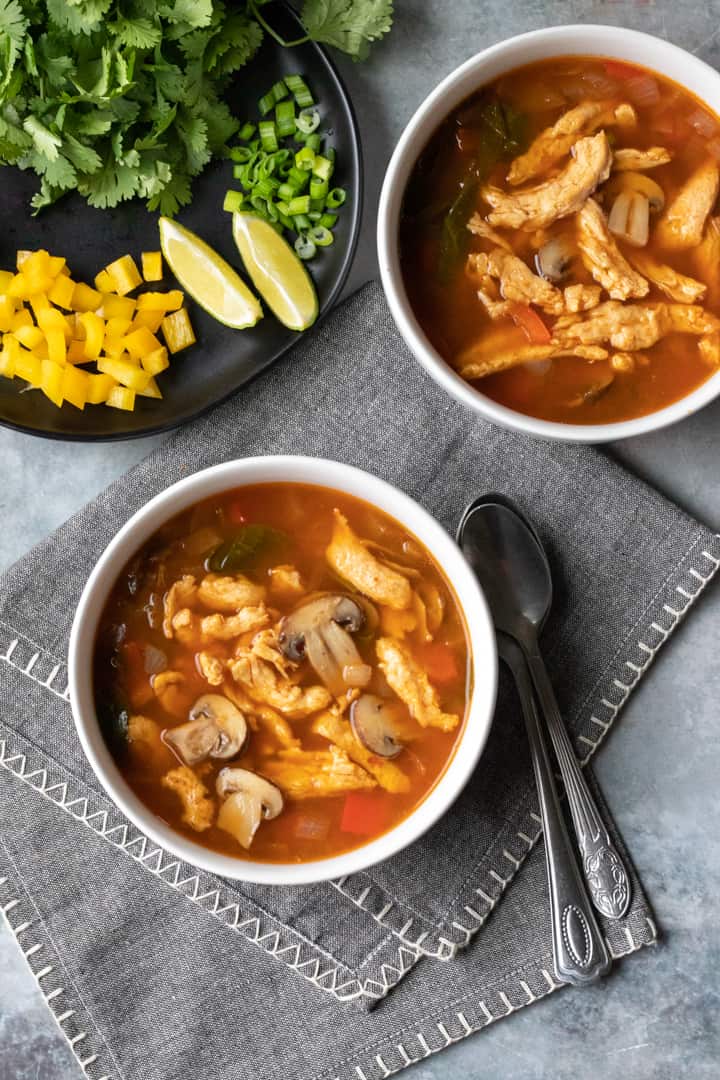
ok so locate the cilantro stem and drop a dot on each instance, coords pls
(273, 33)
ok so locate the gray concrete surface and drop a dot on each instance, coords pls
(656, 1018)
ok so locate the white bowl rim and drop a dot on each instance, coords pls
(615, 42)
(329, 474)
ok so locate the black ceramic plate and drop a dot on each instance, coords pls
(223, 359)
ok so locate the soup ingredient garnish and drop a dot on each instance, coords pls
(207, 277)
(683, 222)
(247, 800)
(116, 103)
(216, 728)
(603, 258)
(554, 259)
(53, 328)
(320, 630)
(285, 169)
(243, 549)
(373, 721)
(276, 272)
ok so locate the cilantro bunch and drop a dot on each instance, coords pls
(124, 98)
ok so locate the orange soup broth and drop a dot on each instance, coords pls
(133, 617)
(448, 309)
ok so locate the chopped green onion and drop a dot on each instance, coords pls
(335, 198)
(240, 154)
(285, 118)
(314, 142)
(321, 236)
(308, 120)
(299, 177)
(304, 159)
(266, 187)
(322, 167)
(315, 216)
(279, 91)
(268, 136)
(266, 103)
(328, 220)
(287, 191)
(298, 88)
(299, 205)
(305, 247)
(318, 188)
(233, 201)
(301, 222)
(246, 132)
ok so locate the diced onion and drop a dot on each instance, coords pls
(703, 123)
(357, 674)
(630, 218)
(643, 90)
(538, 367)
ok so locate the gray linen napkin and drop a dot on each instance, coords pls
(155, 970)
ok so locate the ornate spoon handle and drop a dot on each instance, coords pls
(604, 870)
(579, 951)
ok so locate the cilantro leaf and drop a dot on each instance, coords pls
(349, 25)
(13, 28)
(139, 33)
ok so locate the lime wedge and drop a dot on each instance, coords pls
(207, 277)
(276, 272)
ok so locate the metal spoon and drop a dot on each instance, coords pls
(496, 532)
(579, 952)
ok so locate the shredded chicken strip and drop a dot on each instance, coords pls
(628, 327)
(490, 364)
(555, 142)
(262, 716)
(630, 160)
(536, 207)
(198, 805)
(180, 595)
(145, 745)
(682, 224)
(692, 319)
(285, 582)
(517, 281)
(478, 226)
(710, 349)
(306, 774)
(264, 684)
(411, 684)
(581, 297)
(212, 668)
(707, 260)
(226, 627)
(685, 290)
(230, 594)
(350, 558)
(171, 689)
(336, 729)
(603, 258)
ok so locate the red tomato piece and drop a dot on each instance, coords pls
(618, 70)
(439, 661)
(530, 323)
(365, 813)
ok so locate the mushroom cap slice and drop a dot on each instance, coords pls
(216, 728)
(320, 630)
(373, 721)
(248, 800)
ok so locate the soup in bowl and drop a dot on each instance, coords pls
(274, 676)
(551, 244)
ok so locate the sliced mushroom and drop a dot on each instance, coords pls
(374, 721)
(630, 218)
(216, 728)
(248, 800)
(320, 630)
(635, 183)
(554, 259)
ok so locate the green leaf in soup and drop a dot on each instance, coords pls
(114, 718)
(245, 548)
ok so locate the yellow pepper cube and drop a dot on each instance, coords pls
(94, 334)
(57, 351)
(18, 287)
(150, 319)
(152, 265)
(117, 307)
(76, 353)
(160, 301)
(9, 357)
(140, 342)
(22, 257)
(75, 386)
(124, 371)
(114, 346)
(21, 318)
(29, 336)
(61, 291)
(156, 361)
(177, 330)
(99, 386)
(84, 298)
(124, 275)
(120, 397)
(36, 271)
(28, 366)
(49, 318)
(152, 390)
(51, 378)
(7, 313)
(57, 265)
(39, 302)
(6, 277)
(117, 327)
(103, 282)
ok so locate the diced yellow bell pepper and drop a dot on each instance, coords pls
(28, 366)
(117, 327)
(57, 265)
(156, 361)
(51, 319)
(57, 351)
(84, 298)
(103, 282)
(9, 357)
(21, 318)
(6, 277)
(39, 302)
(22, 257)
(61, 292)
(94, 334)
(76, 352)
(124, 275)
(29, 336)
(120, 397)
(18, 287)
(36, 271)
(117, 307)
(152, 390)
(150, 319)
(99, 386)
(177, 330)
(140, 342)
(7, 313)
(114, 346)
(124, 371)
(51, 377)
(160, 301)
(75, 386)
(152, 265)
